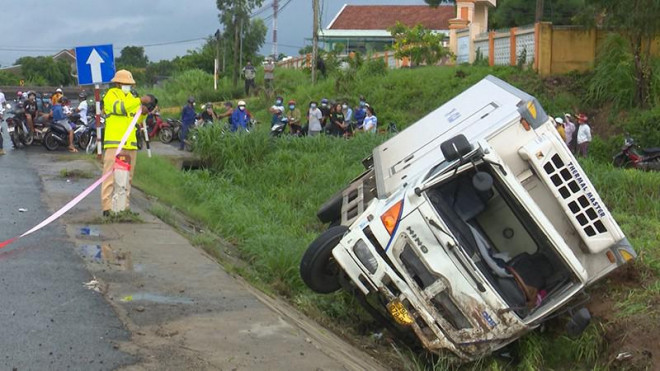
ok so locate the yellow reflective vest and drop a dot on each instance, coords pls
(119, 109)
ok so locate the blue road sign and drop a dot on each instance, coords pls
(96, 64)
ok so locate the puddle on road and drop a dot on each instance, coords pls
(90, 231)
(106, 254)
(156, 298)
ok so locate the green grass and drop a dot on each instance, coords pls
(262, 194)
(75, 173)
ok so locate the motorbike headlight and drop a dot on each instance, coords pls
(365, 256)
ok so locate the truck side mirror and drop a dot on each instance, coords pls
(455, 148)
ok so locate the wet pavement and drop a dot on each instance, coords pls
(132, 296)
(49, 320)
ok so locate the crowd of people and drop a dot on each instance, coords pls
(577, 137)
(329, 117)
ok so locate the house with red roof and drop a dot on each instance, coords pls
(363, 28)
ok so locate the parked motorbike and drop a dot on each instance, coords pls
(169, 131)
(631, 156)
(154, 124)
(17, 128)
(279, 127)
(193, 134)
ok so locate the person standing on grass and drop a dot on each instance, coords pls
(360, 112)
(120, 106)
(370, 123)
(188, 117)
(583, 135)
(569, 130)
(559, 125)
(325, 112)
(337, 122)
(314, 117)
(249, 73)
(269, 68)
(293, 118)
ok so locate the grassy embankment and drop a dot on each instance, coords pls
(262, 195)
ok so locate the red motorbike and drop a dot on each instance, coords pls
(154, 124)
(634, 157)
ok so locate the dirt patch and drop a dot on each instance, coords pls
(633, 342)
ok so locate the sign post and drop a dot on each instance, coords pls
(96, 65)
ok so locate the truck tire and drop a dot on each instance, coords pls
(330, 211)
(318, 268)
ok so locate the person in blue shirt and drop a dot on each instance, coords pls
(240, 118)
(60, 119)
(360, 112)
(188, 117)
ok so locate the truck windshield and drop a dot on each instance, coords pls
(501, 238)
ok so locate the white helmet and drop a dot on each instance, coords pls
(241, 103)
(559, 120)
(58, 90)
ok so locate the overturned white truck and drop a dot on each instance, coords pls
(470, 228)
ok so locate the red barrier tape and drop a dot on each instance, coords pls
(83, 194)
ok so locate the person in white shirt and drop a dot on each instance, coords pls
(3, 100)
(370, 121)
(314, 117)
(82, 107)
(583, 135)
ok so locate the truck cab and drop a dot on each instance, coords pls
(469, 228)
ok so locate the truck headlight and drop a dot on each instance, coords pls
(365, 256)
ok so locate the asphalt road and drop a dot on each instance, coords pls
(49, 320)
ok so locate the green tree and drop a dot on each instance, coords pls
(132, 56)
(638, 22)
(419, 44)
(305, 50)
(45, 69)
(235, 15)
(514, 13)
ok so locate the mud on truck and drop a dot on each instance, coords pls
(469, 228)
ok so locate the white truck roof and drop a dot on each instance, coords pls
(477, 112)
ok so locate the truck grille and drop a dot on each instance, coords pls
(566, 179)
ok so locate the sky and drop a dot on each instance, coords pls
(166, 28)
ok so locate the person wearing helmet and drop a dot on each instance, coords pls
(325, 111)
(56, 97)
(293, 118)
(60, 119)
(82, 107)
(31, 110)
(559, 125)
(188, 117)
(240, 118)
(209, 115)
(19, 96)
(360, 112)
(120, 107)
(276, 109)
(269, 68)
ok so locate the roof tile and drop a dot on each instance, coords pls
(381, 17)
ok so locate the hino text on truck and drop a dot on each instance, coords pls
(470, 228)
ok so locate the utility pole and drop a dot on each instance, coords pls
(236, 47)
(241, 47)
(315, 39)
(539, 10)
(216, 64)
(275, 8)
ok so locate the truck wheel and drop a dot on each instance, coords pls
(331, 209)
(318, 268)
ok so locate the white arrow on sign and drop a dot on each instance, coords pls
(95, 62)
